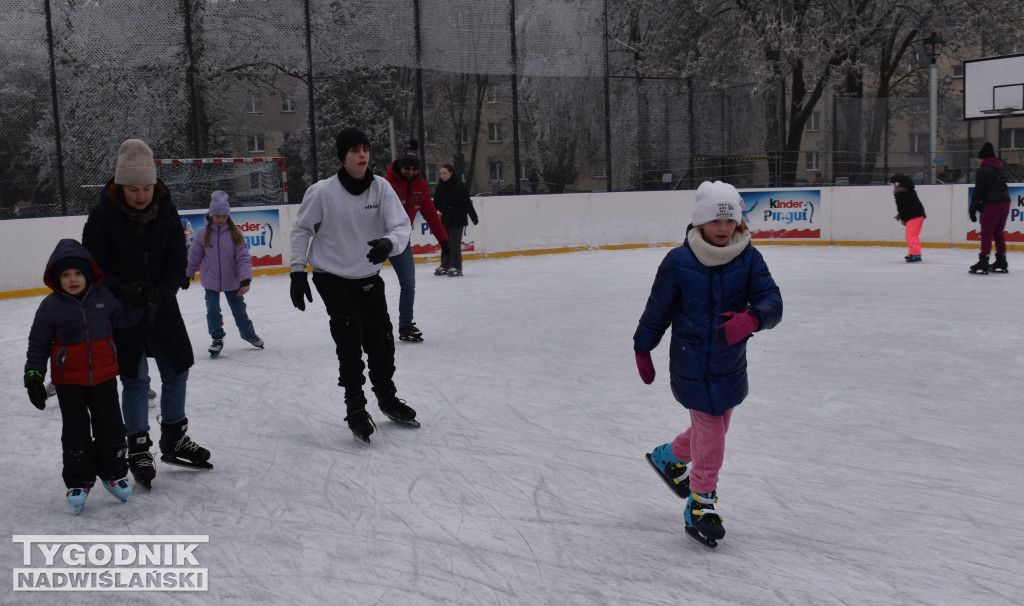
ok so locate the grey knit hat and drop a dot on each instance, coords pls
(135, 164)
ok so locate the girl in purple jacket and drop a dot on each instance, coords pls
(221, 255)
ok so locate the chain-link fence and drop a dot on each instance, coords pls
(520, 96)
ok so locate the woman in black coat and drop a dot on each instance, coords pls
(134, 234)
(991, 198)
(453, 202)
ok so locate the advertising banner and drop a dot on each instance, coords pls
(1014, 223)
(260, 228)
(783, 214)
(424, 242)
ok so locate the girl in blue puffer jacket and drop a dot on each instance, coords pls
(715, 291)
(221, 255)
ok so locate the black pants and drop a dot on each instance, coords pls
(359, 322)
(451, 253)
(103, 450)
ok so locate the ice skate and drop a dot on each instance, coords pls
(981, 267)
(455, 273)
(140, 461)
(177, 448)
(409, 332)
(440, 271)
(396, 409)
(256, 342)
(999, 266)
(76, 498)
(361, 424)
(703, 523)
(913, 258)
(674, 472)
(216, 347)
(119, 488)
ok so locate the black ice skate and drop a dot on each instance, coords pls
(177, 448)
(140, 461)
(409, 332)
(216, 347)
(396, 409)
(703, 523)
(981, 267)
(361, 424)
(1000, 266)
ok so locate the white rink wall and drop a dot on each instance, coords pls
(511, 225)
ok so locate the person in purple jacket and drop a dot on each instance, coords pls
(714, 291)
(221, 255)
(73, 331)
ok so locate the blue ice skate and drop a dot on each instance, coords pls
(76, 498)
(703, 523)
(119, 488)
(674, 472)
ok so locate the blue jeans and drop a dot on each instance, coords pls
(135, 394)
(215, 321)
(405, 269)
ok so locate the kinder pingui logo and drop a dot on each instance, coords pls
(111, 563)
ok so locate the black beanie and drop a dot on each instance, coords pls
(71, 263)
(410, 155)
(987, 151)
(902, 180)
(349, 138)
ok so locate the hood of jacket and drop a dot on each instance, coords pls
(66, 249)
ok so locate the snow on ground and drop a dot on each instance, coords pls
(876, 462)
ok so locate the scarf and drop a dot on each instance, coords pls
(139, 218)
(355, 186)
(712, 256)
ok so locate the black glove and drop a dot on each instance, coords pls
(186, 282)
(300, 288)
(475, 221)
(973, 211)
(36, 389)
(138, 293)
(379, 250)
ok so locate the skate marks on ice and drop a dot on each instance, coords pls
(844, 481)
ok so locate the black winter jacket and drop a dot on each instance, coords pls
(989, 184)
(453, 202)
(153, 252)
(908, 205)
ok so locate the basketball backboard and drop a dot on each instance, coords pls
(994, 87)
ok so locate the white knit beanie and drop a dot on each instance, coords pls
(135, 164)
(717, 201)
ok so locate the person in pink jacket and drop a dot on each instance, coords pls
(221, 255)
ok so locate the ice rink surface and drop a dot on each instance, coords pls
(877, 461)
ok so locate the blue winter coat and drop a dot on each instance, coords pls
(689, 296)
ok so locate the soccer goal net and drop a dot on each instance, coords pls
(248, 181)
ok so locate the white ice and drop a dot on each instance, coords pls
(877, 460)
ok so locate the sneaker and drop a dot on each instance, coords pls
(76, 498)
(119, 488)
(913, 258)
(409, 332)
(440, 271)
(676, 473)
(701, 515)
(454, 273)
(257, 342)
(215, 347)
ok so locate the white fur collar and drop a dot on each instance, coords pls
(713, 256)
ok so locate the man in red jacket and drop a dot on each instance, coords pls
(413, 191)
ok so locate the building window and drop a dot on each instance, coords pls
(287, 104)
(255, 103)
(813, 161)
(497, 171)
(494, 132)
(462, 136)
(958, 70)
(599, 168)
(813, 123)
(493, 96)
(1011, 138)
(919, 143)
(431, 173)
(428, 96)
(255, 143)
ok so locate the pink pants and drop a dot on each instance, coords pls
(914, 235)
(703, 445)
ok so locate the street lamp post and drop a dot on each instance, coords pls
(932, 48)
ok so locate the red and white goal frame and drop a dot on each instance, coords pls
(254, 160)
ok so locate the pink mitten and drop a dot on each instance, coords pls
(736, 327)
(645, 366)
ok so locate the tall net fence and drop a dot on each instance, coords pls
(520, 96)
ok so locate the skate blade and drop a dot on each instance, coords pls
(700, 540)
(411, 339)
(678, 489)
(365, 441)
(185, 463)
(397, 421)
